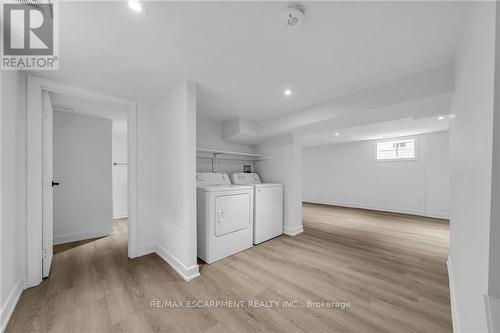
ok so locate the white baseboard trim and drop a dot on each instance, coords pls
(10, 303)
(454, 309)
(68, 238)
(144, 250)
(120, 216)
(293, 231)
(437, 215)
(187, 273)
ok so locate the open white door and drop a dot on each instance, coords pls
(47, 185)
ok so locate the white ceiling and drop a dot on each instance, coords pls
(90, 108)
(392, 108)
(242, 57)
(375, 131)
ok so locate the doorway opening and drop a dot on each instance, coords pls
(89, 171)
(81, 171)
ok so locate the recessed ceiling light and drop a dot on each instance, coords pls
(337, 134)
(287, 92)
(451, 116)
(441, 117)
(137, 6)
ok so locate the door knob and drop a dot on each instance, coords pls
(54, 184)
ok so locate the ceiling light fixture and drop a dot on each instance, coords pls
(337, 134)
(451, 116)
(287, 92)
(137, 6)
(441, 117)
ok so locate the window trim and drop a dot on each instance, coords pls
(415, 140)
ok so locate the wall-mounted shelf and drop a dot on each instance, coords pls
(215, 154)
(223, 154)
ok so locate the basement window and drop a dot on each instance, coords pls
(403, 149)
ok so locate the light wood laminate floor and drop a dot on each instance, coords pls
(390, 267)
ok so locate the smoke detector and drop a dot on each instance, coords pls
(293, 16)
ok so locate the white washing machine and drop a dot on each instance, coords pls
(224, 216)
(268, 206)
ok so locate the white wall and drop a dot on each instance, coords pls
(283, 164)
(120, 193)
(175, 208)
(348, 175)
(83, 202)
(209, 134)
(471, 135)
(13, 191)
(147, 185)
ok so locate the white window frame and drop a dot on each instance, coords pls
(415, 140)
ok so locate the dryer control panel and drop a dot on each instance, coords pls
(212, 178)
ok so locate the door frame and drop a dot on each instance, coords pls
(47, 188)
(34, 209)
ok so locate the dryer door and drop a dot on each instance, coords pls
(232, 213)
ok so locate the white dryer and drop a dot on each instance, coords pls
(268, 206)
(224, 216)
